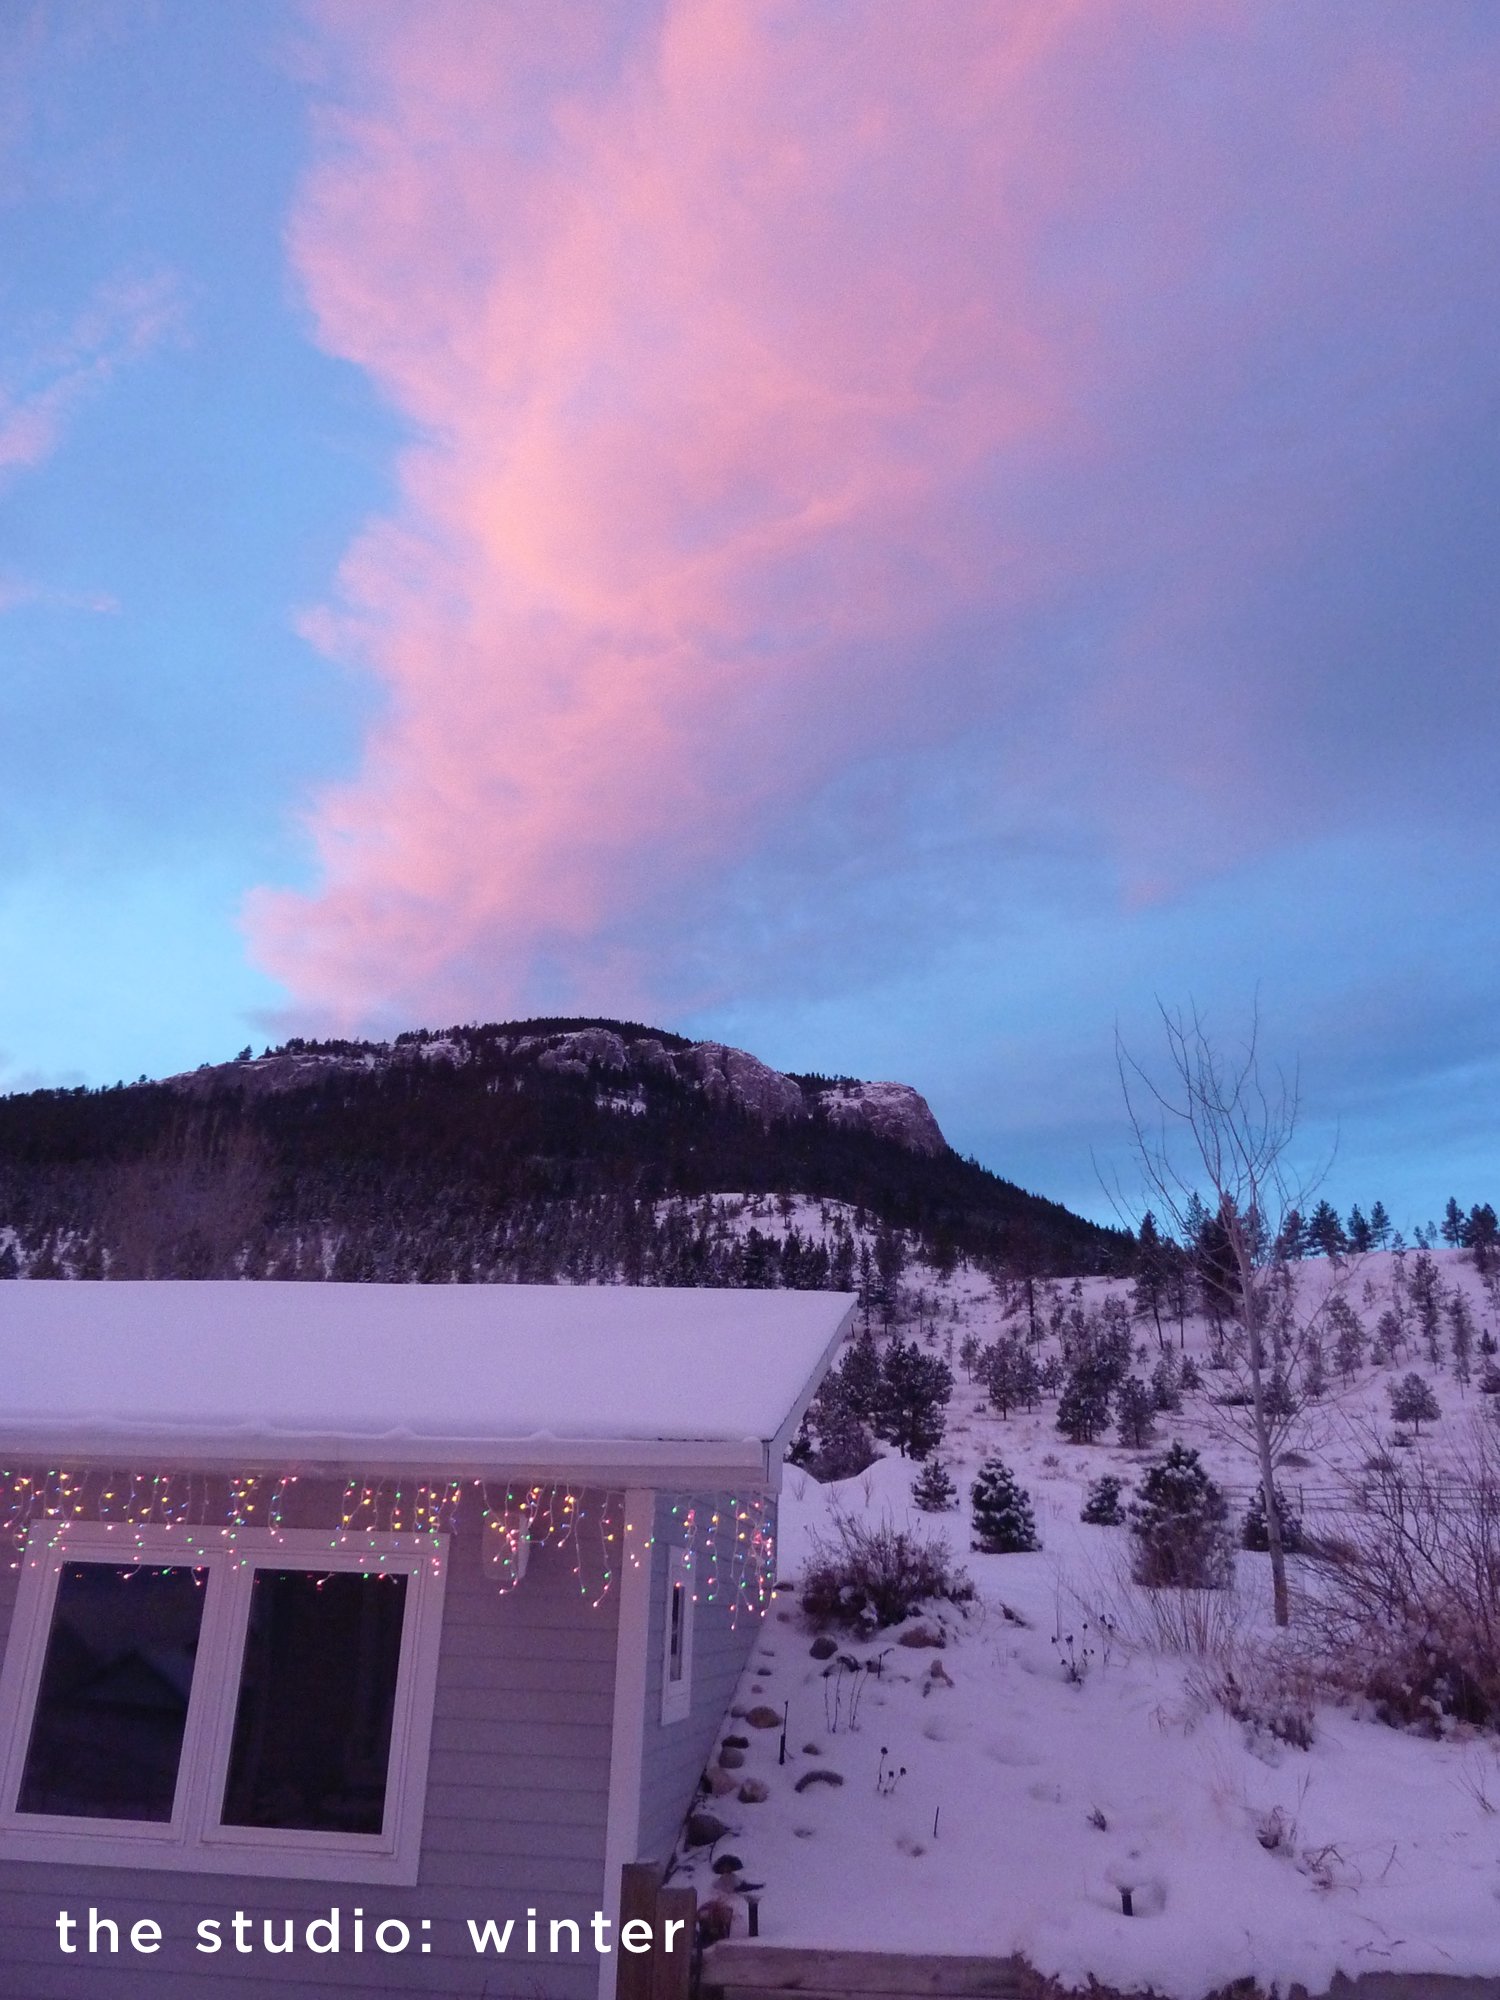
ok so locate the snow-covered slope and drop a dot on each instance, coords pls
(1053, 1751)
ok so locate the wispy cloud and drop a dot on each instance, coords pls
(801, 388)
(20, 593)
(42, 386)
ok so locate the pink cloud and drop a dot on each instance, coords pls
(794, 383)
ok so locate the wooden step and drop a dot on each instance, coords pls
(745, 1971)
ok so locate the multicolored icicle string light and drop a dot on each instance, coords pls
(730, 1535)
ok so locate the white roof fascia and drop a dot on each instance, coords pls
(776, 1449)
(674, 1463)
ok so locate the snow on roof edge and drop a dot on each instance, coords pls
(489, 1376)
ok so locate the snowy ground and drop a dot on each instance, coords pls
(1029, 1799)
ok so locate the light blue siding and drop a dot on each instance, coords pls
(674, 1753)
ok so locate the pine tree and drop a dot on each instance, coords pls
(1102, 1508)
(1214, 1265)
(1181, 1526)
(1412, 1402)
(1461, 1332)
(1151, 1271)
(890, 1262)
(1010, 1374)
(1348, 1338)
(1426, 1297)
(1380, 1226)
(933, 1490)
(845, 1447)
(1389, 1343)
(1325, 1231)
(1003, 1521)
(1291, 1243)
(1453, 1223)
(910, 1411)
(1135, 1412)
(1083, 1407)
(1314, 1370)
(1482, 1235)
(1166, 1383)
(1361, 1237)
(1253, 1533)
(858, 1376)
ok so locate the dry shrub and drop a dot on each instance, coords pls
(1207, 1625)
(1270, 1688)
(1198, 1624)
(1407, 1609)
(875, 1575)
(1270, 1691)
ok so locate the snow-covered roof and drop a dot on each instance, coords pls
(610, 1382)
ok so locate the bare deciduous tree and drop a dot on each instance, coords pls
(186, 1208)
(1219, 1122)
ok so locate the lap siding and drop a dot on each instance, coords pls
(675, 1753)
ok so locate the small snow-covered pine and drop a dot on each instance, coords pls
(1102, 1508)
(1003, 1521)
(1181, 1526)
(933, 1489)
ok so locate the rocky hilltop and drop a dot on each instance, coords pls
(580, 1151)
(624, 1062)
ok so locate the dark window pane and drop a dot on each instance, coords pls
(675, 1648)
(106, 1738)
(312, 1731)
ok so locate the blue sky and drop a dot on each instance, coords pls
(895, 551)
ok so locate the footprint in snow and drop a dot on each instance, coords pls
(1011, 1751)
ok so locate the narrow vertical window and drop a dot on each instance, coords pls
(677, 1640)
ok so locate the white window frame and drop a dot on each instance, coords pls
(677, 1696)
(195, 1839)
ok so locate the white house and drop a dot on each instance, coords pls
(342, 1621)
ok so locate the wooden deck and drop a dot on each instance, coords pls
(743, 1971)
(771, 1972)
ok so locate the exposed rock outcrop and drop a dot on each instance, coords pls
(623, 1062)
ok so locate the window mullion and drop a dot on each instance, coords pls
(210, 1721)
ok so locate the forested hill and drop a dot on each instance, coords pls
(531, 1150)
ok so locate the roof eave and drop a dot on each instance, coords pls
(661, 1462)
(776, 1448)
